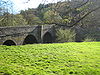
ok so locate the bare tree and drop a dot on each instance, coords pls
(6, 7)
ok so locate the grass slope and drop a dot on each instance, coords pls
(51, 59)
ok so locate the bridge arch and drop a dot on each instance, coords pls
(47, 38)
(30, 39)
(9, 42)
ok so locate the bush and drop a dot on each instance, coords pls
(66, 35)
(89, 39)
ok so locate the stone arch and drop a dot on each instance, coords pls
(9, 43)
(30, 39)
(47, 38)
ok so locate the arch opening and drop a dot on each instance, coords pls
(9, 43)
(30, 39)
(47, 38)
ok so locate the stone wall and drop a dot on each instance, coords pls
(18, 34)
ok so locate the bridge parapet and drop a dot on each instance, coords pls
(16, 30)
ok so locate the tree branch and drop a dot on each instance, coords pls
(79, 19)
(85, 16)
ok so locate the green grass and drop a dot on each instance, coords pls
(51, 59)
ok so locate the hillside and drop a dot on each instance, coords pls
(51, 59)
(60, 13)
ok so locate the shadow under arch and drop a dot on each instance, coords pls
(47, 38)
(30, 39)
(9, 43)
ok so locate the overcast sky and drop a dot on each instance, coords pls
(25, 4)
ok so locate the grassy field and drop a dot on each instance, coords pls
(51, 59)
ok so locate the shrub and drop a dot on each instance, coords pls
(67, 35)
(89, 39)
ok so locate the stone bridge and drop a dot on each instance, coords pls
(27, 35)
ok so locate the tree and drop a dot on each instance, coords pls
(51, 17)
(19, 20)
(31, 16)
(5, 10)
(13, 20)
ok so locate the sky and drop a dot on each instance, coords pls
(25, 4)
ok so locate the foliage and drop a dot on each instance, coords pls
(67, 35)
(5, 8)
(52, 17)
(68, 13)
(31, 16)
(19, 20)
(51, 59)
(6, 20)
(92, 34)
(12, 20)
(32, 19)
(89, 39)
